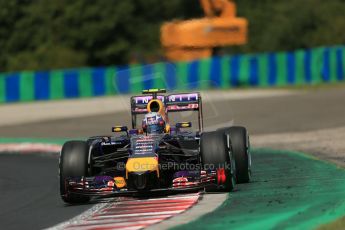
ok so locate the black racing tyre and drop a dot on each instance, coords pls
(240, 147)
(73, 163)
(215, 154)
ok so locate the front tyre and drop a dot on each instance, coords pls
(215, 153)
(73, 163)
(241, 149)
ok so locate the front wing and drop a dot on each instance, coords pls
(104, 186)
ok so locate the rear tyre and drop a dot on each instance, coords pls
(215, 154)
(240, 147)
(73, 163)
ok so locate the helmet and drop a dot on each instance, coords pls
(153, 123)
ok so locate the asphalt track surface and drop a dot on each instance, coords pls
(29, 184)
(29, 193)
(311, 110)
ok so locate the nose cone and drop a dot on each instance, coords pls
(142, 164)
(142, 173)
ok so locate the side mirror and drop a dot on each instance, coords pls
(180, 125)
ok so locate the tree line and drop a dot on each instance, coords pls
(46, 34)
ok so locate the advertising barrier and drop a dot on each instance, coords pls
(300, 67)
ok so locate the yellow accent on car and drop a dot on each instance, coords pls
(185, 125)
(152, 90)
(117, 129)
(120, 182)
(167, 128)
(142, 164)
(147, 91)
(161, 109)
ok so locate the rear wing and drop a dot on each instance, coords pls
(173, 103)
(183, 102)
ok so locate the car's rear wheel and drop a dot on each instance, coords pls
(73, 163)
(241, 149)
(216, 155)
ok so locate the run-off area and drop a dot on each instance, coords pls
(289, 190)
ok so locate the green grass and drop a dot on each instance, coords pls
(289, 191)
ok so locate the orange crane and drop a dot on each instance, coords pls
(198, 38)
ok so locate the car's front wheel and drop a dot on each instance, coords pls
(216, 155)
(240, 146)
(73, 163)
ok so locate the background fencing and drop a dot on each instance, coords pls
(300, 67)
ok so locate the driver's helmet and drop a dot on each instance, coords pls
(153, 123)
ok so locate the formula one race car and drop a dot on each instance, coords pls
(155, 156)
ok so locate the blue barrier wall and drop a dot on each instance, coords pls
(300, 67)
